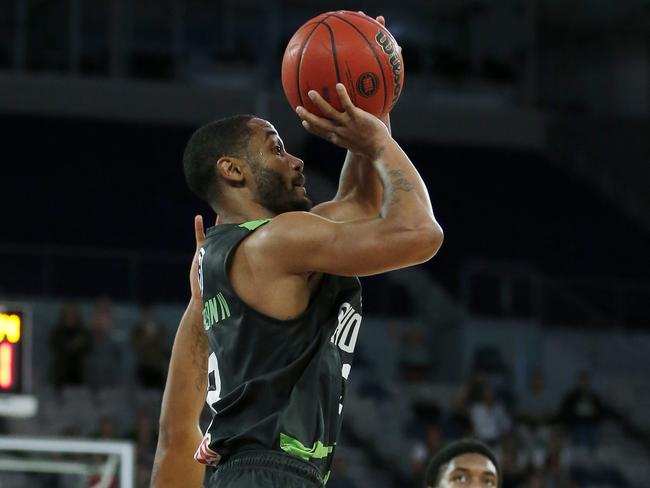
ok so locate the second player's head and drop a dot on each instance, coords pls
(240, 160)
(467, 463)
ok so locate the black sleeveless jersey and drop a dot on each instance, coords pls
(275, 384)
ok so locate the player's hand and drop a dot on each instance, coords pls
(353, 129)
(199, 234)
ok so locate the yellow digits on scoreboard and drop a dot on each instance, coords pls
(9, 327)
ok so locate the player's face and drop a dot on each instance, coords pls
(278, 175)
(469, 471)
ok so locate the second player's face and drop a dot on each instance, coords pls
(469, 471)
(278, 175)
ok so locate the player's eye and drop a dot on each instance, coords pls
(490, 482)
(278, 149)
(459, 478)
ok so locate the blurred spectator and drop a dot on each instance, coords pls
(145, 437)
(69, 345)
(536, 407)
(475, 387)
(339, 477)
(581, 412)
(514, 461)
(458, 423)
(489, 417)
(151, 347)
(535, 480)
(557, 472)
(414, 357)
(535, 411)
(106, 428)
(422, 452)
(105, 361)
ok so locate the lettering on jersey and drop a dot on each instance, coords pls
(214, 382)
(347, 331)
(201, 255)
(215, 310)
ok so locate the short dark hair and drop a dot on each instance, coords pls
(224, 137)
(455, 449)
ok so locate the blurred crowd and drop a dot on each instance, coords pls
(536, 438)
(90, 354)
(539, 440)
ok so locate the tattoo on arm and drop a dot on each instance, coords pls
(200, 355)
(398, 183)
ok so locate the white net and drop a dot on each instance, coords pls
(34, 462)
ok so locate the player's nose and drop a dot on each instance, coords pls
(297, 164)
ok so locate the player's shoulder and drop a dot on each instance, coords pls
(285, 228)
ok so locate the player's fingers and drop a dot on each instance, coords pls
(199, 233)
(381, 19)
(317, 131)
(218, 221)
(344, 98)
(315, 121)
(323, 105)
(330, 136)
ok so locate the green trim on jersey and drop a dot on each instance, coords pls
(326, 477)
(297, 449)
(254, 224)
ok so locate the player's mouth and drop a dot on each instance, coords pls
(299, 182)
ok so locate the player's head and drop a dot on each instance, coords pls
(466, 463)
(243, 157)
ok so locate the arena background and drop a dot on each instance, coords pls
(530, 123)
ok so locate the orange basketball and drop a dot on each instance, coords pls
(343, 47)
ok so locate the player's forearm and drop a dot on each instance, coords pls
(175, 467)
(182, 403)
(405, 196)
(360, 182)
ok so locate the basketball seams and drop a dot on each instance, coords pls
(374, 53)
(302, 53)
(336, 61)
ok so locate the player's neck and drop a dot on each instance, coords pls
(245, 213)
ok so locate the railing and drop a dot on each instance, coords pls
(89, 272)
(174, 39)
(517, 290)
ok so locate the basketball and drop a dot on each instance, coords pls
(343, 47)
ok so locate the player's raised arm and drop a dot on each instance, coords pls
(405, 233)
(184, 396)
(359, 194)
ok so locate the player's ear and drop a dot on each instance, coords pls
(231, 169)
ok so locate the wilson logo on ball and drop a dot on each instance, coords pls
(367, 84)
(396, 64)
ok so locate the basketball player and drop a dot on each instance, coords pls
(278, 296)
(467, 463)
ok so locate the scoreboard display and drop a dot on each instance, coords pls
(12, 351)
(16, 397)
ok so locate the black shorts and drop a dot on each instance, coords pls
(265, 469)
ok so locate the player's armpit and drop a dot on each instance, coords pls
(299, 242)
